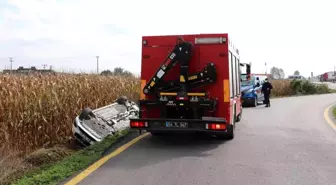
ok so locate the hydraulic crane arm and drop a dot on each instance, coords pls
(196, 80)
(182, 54)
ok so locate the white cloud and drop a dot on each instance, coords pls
(289, 34)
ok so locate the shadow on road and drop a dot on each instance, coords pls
(154, 149)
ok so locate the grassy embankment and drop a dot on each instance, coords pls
(283, 88)
(334, 111)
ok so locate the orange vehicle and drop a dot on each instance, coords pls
(189, 83)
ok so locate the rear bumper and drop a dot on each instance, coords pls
(248, 100)
(82, 134)
(189, 125)
(248, 96)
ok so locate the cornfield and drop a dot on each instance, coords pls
(281, 88)
(38, 111)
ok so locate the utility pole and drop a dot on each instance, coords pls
(97, 64)
(11, 63)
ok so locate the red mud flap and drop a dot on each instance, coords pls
(207, 124)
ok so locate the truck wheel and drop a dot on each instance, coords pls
(230, 132)
(231, 128)
(229, 135)
(238, 118)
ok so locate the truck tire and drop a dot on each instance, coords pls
(231, 128)
(230, 132)
(238, 118)
(229, 135)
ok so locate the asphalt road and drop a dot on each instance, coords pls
(287, 144)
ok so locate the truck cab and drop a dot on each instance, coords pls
(189, 83)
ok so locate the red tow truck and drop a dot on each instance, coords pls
(189, 83)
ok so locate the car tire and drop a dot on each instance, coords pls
(86, 114)
(255, 102)
(122, 100)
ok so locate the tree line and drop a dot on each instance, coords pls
(117, 71)
(279, 73)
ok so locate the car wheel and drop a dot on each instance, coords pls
(255, 102)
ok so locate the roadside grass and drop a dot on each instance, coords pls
(334, 111)
(295, 88)
(54, 173)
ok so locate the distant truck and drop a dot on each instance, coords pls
(189, 83)
(328, 77)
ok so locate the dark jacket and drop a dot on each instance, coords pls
(266, 88)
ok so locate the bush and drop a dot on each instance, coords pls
(305, 87)
(281, 88)
(297, 87)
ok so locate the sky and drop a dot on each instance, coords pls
(292, 35)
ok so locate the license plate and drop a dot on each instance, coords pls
(177, 124)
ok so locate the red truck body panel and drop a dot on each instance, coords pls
(158, 47)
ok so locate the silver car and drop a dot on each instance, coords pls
(92, 126)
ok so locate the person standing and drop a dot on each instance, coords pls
(266, 90)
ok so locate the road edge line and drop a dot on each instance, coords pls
(329, 120)
(103, 160)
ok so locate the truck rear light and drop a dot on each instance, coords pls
(215, 126)
(139, 124)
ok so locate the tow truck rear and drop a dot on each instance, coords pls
(189, 83)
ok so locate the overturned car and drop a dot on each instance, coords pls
(92, 126)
